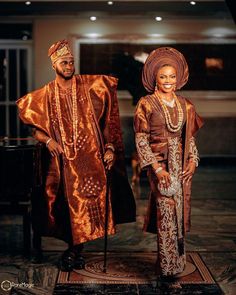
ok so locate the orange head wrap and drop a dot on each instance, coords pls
(157, 59)
(58, 50)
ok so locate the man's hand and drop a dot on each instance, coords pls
(54, 148)
(109, 158)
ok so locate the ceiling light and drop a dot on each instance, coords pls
(110, 2)
(220, 32)
(155, 35)
(158, 18)
(93, 18)
(92, 35)
(192, 2)
(27, 3)
(218, 35)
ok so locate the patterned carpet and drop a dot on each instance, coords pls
(133, 273)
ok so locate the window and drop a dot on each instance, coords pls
(15, 81)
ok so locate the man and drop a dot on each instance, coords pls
(77, 118)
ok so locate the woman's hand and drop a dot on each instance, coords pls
(189, 171)
(109, 158)
(54, 148)
(163, 178)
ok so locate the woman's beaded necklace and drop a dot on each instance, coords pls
(170, 125)
(65, 143)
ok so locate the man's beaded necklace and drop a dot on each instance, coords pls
(65, 143)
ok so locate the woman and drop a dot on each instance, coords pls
(165, 125)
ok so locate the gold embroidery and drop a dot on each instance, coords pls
(193, 152)
(64, 51)
(171, 217)
(146, 156)
(82, 139)
(90, 188)
(95, 215)
(175, 168)
(170, 261)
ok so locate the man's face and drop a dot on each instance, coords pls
(64, 67)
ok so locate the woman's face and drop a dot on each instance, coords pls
(166, 79)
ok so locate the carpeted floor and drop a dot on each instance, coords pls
(134, 273)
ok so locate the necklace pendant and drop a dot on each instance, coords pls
(169, 103)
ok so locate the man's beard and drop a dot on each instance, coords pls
(61, 74)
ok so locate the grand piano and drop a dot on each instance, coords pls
(19, 181)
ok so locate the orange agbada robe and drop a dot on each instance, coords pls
(81, 182)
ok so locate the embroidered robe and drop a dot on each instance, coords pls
(168, 217)
(71, 204)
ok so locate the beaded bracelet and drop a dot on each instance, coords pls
(47, 142)
(110, 146)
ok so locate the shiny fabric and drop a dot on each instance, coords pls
(168, 217)
(157, 59)
(80, 184)
(58, 50)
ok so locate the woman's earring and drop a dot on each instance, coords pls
(156, 88)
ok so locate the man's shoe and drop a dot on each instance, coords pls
(67, 261)
(79, 262)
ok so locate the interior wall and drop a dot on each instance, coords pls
(49, 30)
(212, 105)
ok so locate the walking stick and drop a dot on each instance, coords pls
(106, 221)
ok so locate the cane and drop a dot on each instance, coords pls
(106, 220)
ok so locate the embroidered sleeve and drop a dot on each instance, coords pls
(142, 117)
(193, 152)
(146, 156)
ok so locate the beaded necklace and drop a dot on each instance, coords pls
(170, 125)
(65, 143)
(169, 103)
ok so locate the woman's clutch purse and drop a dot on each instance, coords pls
(172, 189)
